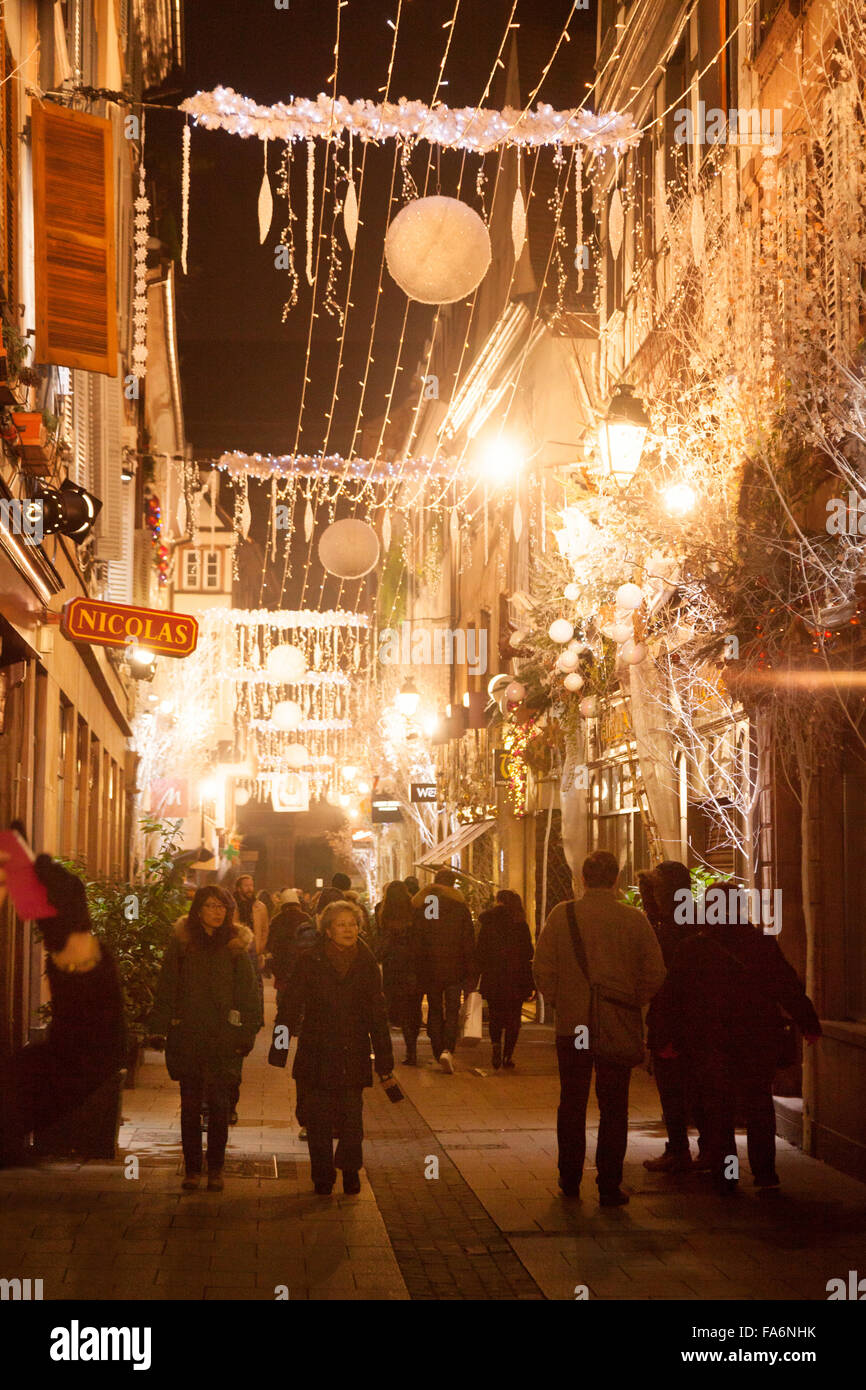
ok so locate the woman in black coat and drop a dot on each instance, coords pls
(504, 951)
(207, 1013)
(721, 1008)
(45, 1083)
(334, 1003)
(396, 952)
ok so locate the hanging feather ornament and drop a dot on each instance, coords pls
(246, 516)
(181, 515)
(518, 216)
(350, 205)
(184, 234)
(311, 187)
(386, 532)
(308, 520)
(517, 521)
(615, 224)
(266, 202)
(578, 212)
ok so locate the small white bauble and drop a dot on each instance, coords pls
(567, 661)
(286, 663)
(633, 652)
(438, 250)
(620, 632)
(242, 796)
(572, 593)
(573, 682)
(349, 548)
(629, 596)
(560, 630)
(515, 692)
(286, 715)
(296, 755)
(588, 707)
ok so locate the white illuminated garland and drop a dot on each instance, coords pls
(283, 618)
(240, 465)
(465, 128)
(305, 726)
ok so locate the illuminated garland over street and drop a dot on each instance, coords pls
(239, 465)
(466, 128)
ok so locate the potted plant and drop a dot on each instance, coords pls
(135, 921)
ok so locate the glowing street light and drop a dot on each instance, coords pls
(407, 698)
(680, 499)
(500, 459)
(623, 434)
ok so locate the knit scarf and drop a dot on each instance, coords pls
(341, 958)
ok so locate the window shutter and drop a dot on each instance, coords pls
(81, 428)
(120, 571)
(107, 440)
(73, 195)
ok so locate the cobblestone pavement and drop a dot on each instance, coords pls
(460, 1202)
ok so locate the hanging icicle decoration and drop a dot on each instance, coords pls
(287, 236)
(266, 201)
(273, 519)
(518, 214)
(309, 520)
(517, 520)
(335, 263)
(454, 524)
(615, 224)
(184, 205)
(350, 204)
(386, 532)
(139, 303)
(246, 513)
(311, 188)
(579, 249)
(410, 189)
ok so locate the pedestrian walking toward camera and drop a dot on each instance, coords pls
(46, 1083)
(206, 1015)
(504, 952)
(666, 896)
(335, 1006)
(445, 965)
(728, 1007)
(597, 961)
(394, 923)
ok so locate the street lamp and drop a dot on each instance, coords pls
(623, 434)
(407, 698)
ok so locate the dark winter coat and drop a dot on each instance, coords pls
(198, 988)
(725, 992)
(504, 954)
(336, 1021)
(87, 1032)
(443, 938)
(291, 933)
(396, 953)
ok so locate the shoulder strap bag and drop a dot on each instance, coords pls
(615, 1017)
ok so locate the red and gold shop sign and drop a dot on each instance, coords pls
(120, 624)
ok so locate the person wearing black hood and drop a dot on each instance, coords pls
(504, 955)
(86, 1044)
(663, 894)
(723, 1007)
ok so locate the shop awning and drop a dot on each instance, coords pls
(453, 844)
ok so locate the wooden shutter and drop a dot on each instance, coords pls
(73, 195)
(106, 432)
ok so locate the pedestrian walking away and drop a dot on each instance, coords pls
(69, 1082)
(394, 923)
(335, 1006)
(206, 1015)
(728, 1007)
(504, 951)
(443, 946)
(622, 954)
(662, 898)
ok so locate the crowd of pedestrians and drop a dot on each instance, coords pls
(717, 1006)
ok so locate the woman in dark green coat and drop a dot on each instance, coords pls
(207, 1014)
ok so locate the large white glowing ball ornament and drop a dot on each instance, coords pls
(572, 593)
(588, 707)
(629, 596)
(438, 250)
(286, 663)
(573, 682)
(633, 652)
(561, 631)
(296, 756)
(349, 548)
(287, 714)
(567, 661)
(515, 692)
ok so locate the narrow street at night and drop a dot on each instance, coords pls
(432, 684)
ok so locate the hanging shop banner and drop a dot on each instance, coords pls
(385, 811)
(169, 796)
(501, 759)
(424, 792)
(120, 624)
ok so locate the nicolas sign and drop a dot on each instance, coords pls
(119, 624)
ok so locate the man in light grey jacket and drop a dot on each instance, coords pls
(622, 952)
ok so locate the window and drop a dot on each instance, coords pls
(212, 570)
(190, 569)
